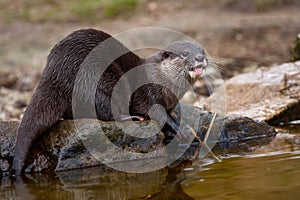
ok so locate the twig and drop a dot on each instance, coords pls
(206, 136)
(194, 133)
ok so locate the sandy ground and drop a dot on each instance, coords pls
(233, 38)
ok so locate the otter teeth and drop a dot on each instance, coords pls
(196, 70)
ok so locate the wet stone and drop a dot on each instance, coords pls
(87, 142)
(8, 130)
(77, 144)
(228, 134)
(8, 79)
(267, 94)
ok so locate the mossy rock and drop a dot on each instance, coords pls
(295, 49)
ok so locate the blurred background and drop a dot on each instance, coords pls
(241, 35)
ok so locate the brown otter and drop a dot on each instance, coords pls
(52, 99)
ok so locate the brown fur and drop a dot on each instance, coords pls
(52, 99)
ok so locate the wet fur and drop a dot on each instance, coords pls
(52, 99)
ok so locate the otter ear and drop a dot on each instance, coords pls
(165, 54)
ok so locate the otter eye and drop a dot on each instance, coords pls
(185, 54)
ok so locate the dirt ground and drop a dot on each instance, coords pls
(239, 39)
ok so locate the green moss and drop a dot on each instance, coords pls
(115, 7)
(68, 10)
(264, 5)
(295, 49)
(85, 9)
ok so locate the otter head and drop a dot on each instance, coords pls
(183, 58)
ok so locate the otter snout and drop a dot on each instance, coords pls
(200, 62)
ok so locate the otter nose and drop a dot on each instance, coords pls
(201, 61)
(199, 58)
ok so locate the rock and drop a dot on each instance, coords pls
(228, 134)
(12, 103)
(230, 67)
(8, 78)
(295, 49)
(242, 134)
(8, 131)
(27, 81)
(267, 94)
(73, 144)
(78, 143)
(18, 79)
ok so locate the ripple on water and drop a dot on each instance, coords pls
(271, 172)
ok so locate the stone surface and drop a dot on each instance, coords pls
(267, 94)
(77, 143)
(73, 144)
(7, 78)
(8, 131)
(228, 134)
(12, 103)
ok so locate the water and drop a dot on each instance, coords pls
(272, 172)
(269, 177)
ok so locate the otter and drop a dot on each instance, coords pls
(52, 99)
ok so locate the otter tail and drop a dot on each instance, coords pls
(42, 112)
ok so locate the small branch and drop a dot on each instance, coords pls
(206, 136)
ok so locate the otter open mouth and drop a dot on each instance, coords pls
(198, 68)
(196, 71)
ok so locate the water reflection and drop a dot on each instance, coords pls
(271, 172)
(96, 183)
(268, 178)
(173, 188)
